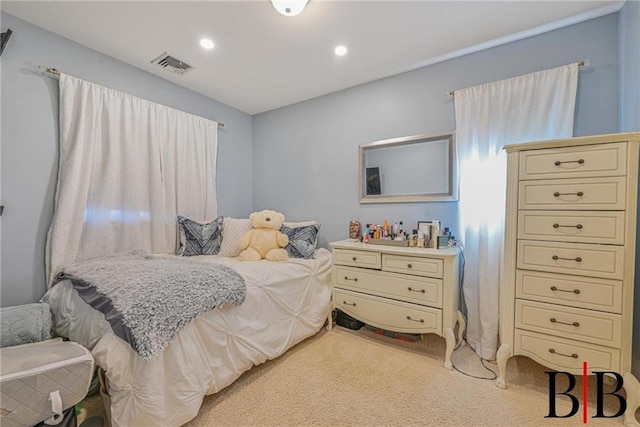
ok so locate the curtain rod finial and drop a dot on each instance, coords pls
(49, 70)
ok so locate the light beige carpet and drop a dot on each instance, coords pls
(358, 378)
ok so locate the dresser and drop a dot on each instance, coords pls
(400, 289)
(566, 294)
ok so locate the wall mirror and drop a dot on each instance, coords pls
(419, 168)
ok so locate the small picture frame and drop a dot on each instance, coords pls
(424, 226)
(430, 228)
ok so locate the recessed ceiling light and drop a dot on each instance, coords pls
(340, 50)
(206, 43)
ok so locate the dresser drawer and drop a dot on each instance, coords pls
(573, 194)
(413, 265)
(574, 162)
(389, 314)
(572, 226)
(576, 291)
(357, 258)
(575, 323)
(566, 355)
(572, 258)
(419, 290)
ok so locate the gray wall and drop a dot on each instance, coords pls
(30, 137)
(306, 155)
(630, 66)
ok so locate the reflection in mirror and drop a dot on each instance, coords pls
(411, 169)
(373, 181)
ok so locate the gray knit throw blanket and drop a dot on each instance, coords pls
(147, 299)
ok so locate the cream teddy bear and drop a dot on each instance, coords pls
(265, 240)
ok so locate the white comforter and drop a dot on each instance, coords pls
(286, 302)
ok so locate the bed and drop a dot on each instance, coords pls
(285, 303)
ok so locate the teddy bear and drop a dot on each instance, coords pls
(265, 240)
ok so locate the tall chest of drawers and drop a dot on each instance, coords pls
(400, 289)
(566, 293)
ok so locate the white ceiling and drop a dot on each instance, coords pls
(263, 60)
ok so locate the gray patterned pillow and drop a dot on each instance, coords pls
(199, 238)
(302, 240)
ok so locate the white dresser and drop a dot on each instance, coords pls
(566, 294)
(401, 289)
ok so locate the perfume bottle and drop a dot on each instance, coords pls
(413, 239)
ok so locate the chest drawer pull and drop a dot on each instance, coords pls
(578, 226)
(414, 290)
(579, 194)
(347, 278)
(408, 265)
(579, 161)
(346, 303)
(576, 259)
(575, 291)
(552, 351)
(415, 320)
(354, 258)
(554, 320)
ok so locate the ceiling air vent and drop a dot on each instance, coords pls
(172, 64)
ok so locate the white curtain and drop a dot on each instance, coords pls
(127, 168)
(535, 106)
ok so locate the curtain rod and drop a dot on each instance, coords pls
(55, 72)
(583, 63)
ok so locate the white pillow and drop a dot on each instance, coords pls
(232, 231)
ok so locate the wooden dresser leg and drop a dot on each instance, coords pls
(504, 353)
(462, 327)
(330, 320)
(450, 338)
(632, 387)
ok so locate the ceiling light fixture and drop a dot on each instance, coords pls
(340, 50)
(289, 7)
(206, 43)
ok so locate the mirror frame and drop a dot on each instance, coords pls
(449, 196)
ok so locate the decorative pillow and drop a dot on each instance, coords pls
(232, 231)
(199, 238)
(298, 224)
(302, 240)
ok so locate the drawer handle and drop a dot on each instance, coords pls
(346, 278)
(413, 290)
(579, 194)
(354, 258)
(575, 291)
(346, 303)
(578, 226)
(408, 265)
(580, 161)
(415, 320)
(552, 351)
(576, 259)
(554, 320)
